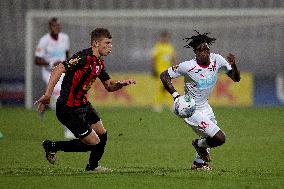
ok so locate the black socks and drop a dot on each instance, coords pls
(75, 145)
(97, 152)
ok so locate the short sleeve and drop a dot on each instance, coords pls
(178, 70)
(223, 65)
(40, 49)
(104, 76)
(174, 72)
(78, 60)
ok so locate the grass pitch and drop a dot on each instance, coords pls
(146, 150)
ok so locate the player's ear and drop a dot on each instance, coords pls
(95, 43)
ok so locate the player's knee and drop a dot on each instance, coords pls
(91, 139)
(100, 145)
(220, 138)
(98, 128)
(217, 140)
(95, 141)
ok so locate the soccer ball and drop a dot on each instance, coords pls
(184, 106)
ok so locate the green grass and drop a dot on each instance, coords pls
(146, 150)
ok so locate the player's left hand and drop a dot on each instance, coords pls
(42, 102)
(231, 59)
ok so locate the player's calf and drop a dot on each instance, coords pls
(201, 150)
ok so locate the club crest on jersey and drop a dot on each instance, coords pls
(213, 67)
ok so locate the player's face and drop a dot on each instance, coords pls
(202, 54)
(104, 46)
(54, 27)
(164, 39)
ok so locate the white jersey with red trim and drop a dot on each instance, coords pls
(200, 80)
(53, 51)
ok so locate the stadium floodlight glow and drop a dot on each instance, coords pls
(150, 20)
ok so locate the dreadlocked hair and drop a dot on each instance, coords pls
(196, 40)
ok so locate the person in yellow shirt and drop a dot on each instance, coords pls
(163, 56)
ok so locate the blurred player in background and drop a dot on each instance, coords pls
(200, 74)
(72, 107)
(52, 49)
(163, 56)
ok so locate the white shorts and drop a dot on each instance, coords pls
(203, 122)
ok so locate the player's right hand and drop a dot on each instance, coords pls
(42, 102)
(175, 98)
(175, 95)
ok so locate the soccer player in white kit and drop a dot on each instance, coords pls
(200, 76)
(52, 49)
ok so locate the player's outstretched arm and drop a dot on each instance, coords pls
(234, 74)
(112, 86)
(54, 77)
(166, 80)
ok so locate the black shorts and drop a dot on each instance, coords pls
(77, 119)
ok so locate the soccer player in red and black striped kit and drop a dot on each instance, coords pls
(73, 109)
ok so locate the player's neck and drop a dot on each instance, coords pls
(96, 53)
(54, 36)
(201, 63)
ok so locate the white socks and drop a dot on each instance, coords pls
(202, 143)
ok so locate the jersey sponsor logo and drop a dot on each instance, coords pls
(58, 54)
(206, 82)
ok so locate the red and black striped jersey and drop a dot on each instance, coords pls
(82, 69)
